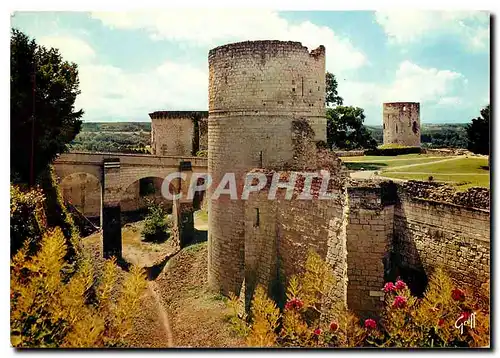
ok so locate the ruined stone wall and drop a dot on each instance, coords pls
(172, 132)
(429, 234)
(84, 192)
(256, 90)
(203, 134)
(401, 123)
(279, 235)
(369, 239)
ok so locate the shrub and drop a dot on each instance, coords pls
(49, 311)
(407, 321)
(156, 225)
(56, 211)
(202, 153)
(27, 218)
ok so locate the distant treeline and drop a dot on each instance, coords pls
(116, 127)
(433, 135)
(135, 137)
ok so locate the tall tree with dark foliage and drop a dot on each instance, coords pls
(478, 133)
(43, 117)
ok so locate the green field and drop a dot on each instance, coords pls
(462, 172)
(462, 182)
(383, 162)
(459, 171)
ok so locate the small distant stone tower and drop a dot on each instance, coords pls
(174, 133)
(256, 90)
(402, 123)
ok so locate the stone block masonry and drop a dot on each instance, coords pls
(172, 132)
(401, 123)
(369, 239)
(430, 234)
(256, 90)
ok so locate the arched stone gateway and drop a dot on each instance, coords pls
(116, 172)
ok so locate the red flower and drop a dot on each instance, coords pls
(370, 323)
(399, 302)
(440, 322)
(294, 303)
(317, 331)
(334, 326)
(389, 286)
(458, 295)
(400, 285)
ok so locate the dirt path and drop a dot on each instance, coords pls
(162, 313)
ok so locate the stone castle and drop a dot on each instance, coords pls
(266, 115)
(401, 124)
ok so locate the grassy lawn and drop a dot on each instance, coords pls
(462, 182)
(459, 166)
(463, 173)
(383, 162)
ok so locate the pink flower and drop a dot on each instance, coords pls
(334, 326)
(294, 303)
(434, 309)
(370, 324)
(400, 285)
(399, 302)
(458, 295)
(389, 287)
(317, 331)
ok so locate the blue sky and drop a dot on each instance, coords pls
(133, 63)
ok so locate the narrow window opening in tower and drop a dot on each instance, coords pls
(260, 159)
(384, 125)
(302, 86)
(396, 128)
(257, 218)
(415, 127)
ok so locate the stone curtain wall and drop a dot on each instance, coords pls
(369, 238)
(172, 132)
(84, 192)
(203, 134)
(429, 234)
(401, 123)
(256, 90)
(279, 235)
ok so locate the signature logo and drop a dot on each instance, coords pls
(465, 319)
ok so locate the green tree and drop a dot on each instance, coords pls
(332, 96)
(345, 129)
(43, 86)
(478, 133)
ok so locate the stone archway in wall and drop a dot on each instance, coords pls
(135, 196)
(84, 191)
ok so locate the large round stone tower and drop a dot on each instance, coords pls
(256, 90)
(402, 123)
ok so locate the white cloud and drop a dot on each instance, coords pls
(411, 26)
(71, 48)
(214, 27)
(450, 101)
(110, 92)
(411, 83)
